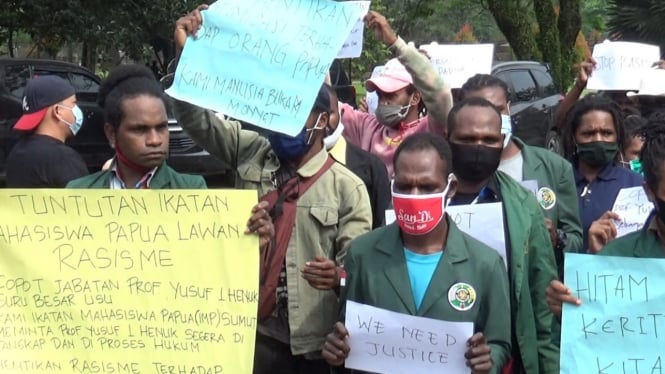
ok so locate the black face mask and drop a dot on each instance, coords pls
(597, 154)
(473, 162)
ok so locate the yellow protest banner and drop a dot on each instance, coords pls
(132, 281)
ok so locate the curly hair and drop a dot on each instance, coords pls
(653, 151)
(588, 104)
(127, 82)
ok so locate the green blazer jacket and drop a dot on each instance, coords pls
(556, 173)
(377, 275)
(532, 268)
(164, 178)
(644, 243)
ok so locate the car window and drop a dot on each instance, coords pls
(16, 77)
(523, 84)
(511, 93)
(39, 72)
(83, 83)
(545, 83)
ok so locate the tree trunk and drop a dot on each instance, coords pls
(89, 56)
(10, 42)
(570, 22)
(554, 41)
(548, 39)
(514, 23)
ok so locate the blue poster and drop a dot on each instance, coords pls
(620, 326)
(263, 61)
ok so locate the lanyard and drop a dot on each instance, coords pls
(474, 201)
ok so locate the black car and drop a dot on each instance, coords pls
(90, 142)
(534, 99)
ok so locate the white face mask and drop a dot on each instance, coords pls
(330, 140)
(78, 118)
(506, 129)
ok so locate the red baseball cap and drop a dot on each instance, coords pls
(40, 93)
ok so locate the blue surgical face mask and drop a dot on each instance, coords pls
(78, 118)
(292, 148)
(506, 129)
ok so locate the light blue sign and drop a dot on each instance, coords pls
(620, 326)
(263, 61)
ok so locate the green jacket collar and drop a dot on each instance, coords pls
(396, 272)
(160, 180)
(531, 160)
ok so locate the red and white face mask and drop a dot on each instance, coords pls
(419, 214)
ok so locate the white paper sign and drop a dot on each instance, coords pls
(393, 343)
(531, 185)
(633, 207)
(353, 46)
(621, 65)
(456, 63)
(372, 98)
(484, 222)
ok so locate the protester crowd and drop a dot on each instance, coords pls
(324, 193)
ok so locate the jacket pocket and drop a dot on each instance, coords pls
(326, 216)
(324, 220)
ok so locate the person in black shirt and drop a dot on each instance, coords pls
(41, 159)
(368, 167)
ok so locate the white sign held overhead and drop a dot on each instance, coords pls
(456, 63)
(621, 65)
(353, 46)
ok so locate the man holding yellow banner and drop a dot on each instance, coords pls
(88, 283)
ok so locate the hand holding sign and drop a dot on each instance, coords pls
(336, 348)
(260, 224)
(479, 355)
(556, 294)
(586, 69)
(602, 231)
(188, 25)
(382, 30)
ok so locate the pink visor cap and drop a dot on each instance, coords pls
(393, 78)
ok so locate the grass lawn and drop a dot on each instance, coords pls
(360, 90)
